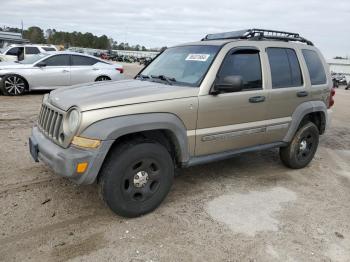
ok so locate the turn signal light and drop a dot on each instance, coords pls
(81, 167)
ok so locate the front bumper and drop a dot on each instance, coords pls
(63, 161)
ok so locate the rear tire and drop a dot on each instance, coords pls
(102, 78)
(302, 148)
(13, 85)
(136, 177)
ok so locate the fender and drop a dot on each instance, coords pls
(113, 128)
(301, 111)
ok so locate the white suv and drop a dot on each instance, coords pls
(19, 52)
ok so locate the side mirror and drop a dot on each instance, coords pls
(229, 84)
(41, 64)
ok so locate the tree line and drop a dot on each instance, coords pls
(36, 35)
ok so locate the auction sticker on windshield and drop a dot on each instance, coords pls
(197, 57)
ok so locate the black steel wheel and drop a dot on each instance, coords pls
(302, 148)
(13, 85)
(136, 178)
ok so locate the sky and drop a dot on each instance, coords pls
(155, 23)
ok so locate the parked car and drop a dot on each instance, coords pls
(195, 103)
(53, 70)
(339, 79)
(21, 52)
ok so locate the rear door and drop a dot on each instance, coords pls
(83, 70)
(56, 73)
(287, 90)
(317, 68)
(229, 121)
(31, 50)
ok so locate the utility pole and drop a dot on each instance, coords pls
(22, 28)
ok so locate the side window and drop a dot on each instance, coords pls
(78, 60)
(57, 60)
(285, 68)
(245, 63)
(13, 51)
(30, 50)
(315, 67)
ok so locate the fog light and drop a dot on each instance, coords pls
(81, 167)
(86, 142)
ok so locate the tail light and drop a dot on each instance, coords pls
(331, 98)
(121, 70)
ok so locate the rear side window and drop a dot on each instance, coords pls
(48, 49)
(245, 63)
(315, 67)
(57, 60)
(285, 68)
(78, 60)
(30, 50)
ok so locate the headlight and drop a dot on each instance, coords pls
(45, 97)
(72, 122)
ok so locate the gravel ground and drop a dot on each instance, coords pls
(249, 208)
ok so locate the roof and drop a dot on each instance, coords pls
(71, 53)
(14, 37)
(220, 39)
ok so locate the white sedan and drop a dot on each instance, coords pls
(53, 70)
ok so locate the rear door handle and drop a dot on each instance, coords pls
(302, 94)
(95, 69)
(256, 99)
(65, 71)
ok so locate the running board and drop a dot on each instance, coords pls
(199, 160)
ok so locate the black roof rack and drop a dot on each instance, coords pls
(258, 34)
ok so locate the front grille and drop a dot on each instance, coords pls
(50, 122)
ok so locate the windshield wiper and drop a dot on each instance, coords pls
(169, 80)
(142, 77)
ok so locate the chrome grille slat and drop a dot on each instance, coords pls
(57, 126)
(50, 122)
(49, 118)
(45, 117)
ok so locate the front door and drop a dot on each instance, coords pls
(229, 121)
(55, 73)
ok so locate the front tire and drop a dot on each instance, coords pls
(13, 85)
(302, 148)
(136, 178)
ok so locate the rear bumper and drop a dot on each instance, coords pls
(63, 161)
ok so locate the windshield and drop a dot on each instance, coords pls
(184, 65)
(32, 59)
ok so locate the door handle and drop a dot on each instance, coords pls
(256, 99)
(65, 71)
(302, 94)
(95, 69)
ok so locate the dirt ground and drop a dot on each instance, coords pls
(249, 208)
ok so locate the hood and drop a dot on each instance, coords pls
(11, 65)
(110, 94)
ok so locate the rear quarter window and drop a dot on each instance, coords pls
(315, 67)
(31, 50)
